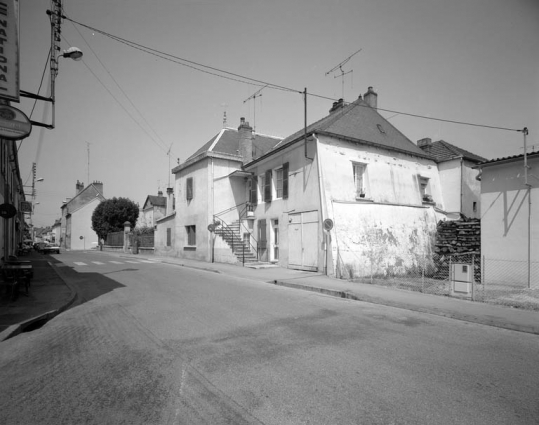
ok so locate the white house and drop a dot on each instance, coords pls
(348, 195)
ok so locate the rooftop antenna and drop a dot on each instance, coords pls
(254, 96)
(88, 150)
(339, 66)
(224, 105)
(168, 154)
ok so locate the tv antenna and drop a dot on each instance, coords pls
(88, 150)
(224, 105)
(339, 66)
(254, 96)
(169, 173)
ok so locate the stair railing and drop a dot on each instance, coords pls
(221, 227)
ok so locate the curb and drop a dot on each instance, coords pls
(456, 316)
(19, 328)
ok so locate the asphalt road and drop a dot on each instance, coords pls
(160, 344)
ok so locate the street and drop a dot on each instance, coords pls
(156, 343)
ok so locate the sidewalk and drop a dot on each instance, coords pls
(50, 295)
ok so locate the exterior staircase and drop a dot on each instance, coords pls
(232, 236)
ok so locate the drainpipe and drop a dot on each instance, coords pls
(212, 212)
(323, 213)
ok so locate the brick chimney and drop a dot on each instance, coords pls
(425, 144)
(371, 97)
(170, 201)
(78, 187)
(337, 105)
(99, 186)
(160, 193)
(245, 134)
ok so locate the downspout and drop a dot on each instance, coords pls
(461, 183)
(323, 213)
(212, 212)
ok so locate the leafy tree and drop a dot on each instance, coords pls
(110, 216)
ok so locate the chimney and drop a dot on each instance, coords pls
(78, 187)
(160, 193)
(371, 98)
(425, 144)
(337, 105)
(245, 134)
(170, 201)
(99, 186)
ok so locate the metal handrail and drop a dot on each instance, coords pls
(227, 230)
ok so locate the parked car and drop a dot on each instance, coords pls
(49, 248)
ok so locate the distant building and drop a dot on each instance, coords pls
(154, 208)
(76, 223)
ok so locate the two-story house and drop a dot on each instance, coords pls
(76, 223)
(348, 195)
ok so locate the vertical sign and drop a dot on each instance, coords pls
(9, 49)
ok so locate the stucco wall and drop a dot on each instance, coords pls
(509, 223)
(160, 237)
(450, 179)
(391, 228)
(381, 240)
(304, 195)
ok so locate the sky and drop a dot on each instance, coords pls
(126, 117)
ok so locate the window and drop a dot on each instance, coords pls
(359, 179)
(424, 189)
(169, 236)
(275, 240)
(474, 206)
(191, 235)
(278, 183)
(253, 190)
(267, 187)
(189, 189)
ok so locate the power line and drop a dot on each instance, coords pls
(253, 81)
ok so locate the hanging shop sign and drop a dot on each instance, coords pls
(14, 124)
(9, 50)
(7, 211)
(25, 207)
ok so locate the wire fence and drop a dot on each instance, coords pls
(469, 276)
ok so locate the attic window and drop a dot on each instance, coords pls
(380, 128)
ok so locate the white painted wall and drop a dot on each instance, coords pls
(81, 225)
(509, 223)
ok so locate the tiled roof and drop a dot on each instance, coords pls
(227, 142)
(157, 201)
(510, 158)
(358, 121)
(444, 151)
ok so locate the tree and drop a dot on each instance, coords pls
(110, 216)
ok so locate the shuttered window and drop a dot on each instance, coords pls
(267, 187)
(253, 191)
(189, 189)
(285, 180)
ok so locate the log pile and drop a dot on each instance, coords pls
(458, 237)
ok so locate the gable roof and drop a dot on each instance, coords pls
(359, 122)
(155, 201)
(227, 142)
(444, 151)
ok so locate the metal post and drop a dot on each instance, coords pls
(473, 277)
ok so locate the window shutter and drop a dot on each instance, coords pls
(189, 189)
(285, 180)
(254, 190)
(267, 187)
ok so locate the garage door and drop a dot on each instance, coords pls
(303, 240)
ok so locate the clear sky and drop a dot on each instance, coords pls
(119, 110)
